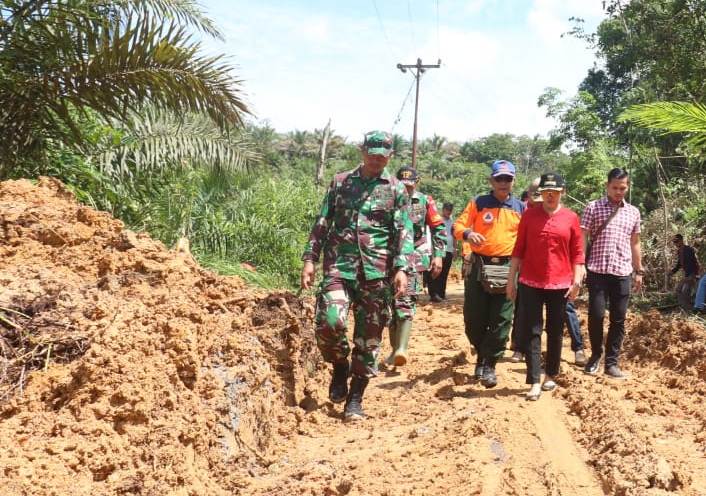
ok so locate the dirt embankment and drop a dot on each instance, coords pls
(646, 435)
(126, 368)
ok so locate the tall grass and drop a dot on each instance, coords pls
(234, 218)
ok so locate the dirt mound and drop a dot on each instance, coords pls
(674, 343)
(128, 369)
(642, 433)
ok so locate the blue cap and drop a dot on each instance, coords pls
(502, 168)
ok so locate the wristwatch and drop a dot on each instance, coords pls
(639, 272)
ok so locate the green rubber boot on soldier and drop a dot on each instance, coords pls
(404, 329)
(354, 403)
(394, 343)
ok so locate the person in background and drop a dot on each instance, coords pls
(437, 288)
(489, 223)
(700, 300)
(549, 258)
(424, 216)
(687, 261)
(612, 226)
(365, 235)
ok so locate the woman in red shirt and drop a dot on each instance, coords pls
(549, 257)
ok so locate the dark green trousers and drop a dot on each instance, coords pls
(487, 317)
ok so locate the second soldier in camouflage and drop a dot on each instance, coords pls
(428, 256)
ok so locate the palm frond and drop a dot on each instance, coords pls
(671, 117)
(60, 58)
(185, 12)
(154, 139)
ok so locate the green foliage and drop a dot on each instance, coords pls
(648, 51)
(60, 59)
(253, 277)
(231, 218)
(671, 117)
(153, 139)
(587, 171)
(578, 119)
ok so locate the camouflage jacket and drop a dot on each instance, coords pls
(363, 227)
(423, 213)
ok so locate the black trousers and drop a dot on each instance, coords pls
(532, 302)
(516, 340)
(615, 290)
(438, 286)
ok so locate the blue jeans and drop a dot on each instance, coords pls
(700, 300)
(574, 327)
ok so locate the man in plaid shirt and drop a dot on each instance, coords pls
(612, 261)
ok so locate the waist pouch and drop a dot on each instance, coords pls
(493, 278)
(467, 264)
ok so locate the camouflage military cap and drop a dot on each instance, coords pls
(378, 143)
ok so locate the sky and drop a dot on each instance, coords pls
(303, 62)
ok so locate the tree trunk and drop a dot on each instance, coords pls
(665, 220)
(322, 155)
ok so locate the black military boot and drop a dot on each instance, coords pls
(480, 367)
(354, 403)
(338, 389)
(489, 379)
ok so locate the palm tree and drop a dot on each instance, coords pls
(152, 138)
(437, 142)
(400, 146)
(672, 117)
(61, 59)
(300, 144)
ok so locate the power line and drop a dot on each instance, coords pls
(382, 28)
(411, 25)
(404, 102)
(438, 37)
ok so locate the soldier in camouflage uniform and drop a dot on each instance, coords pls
(366, 236)
(423, 213)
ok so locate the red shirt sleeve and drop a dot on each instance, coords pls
(433, 218)
(521, 242)
(576, 243)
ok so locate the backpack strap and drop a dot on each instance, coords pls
(605, 223)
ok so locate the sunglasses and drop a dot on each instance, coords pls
(379, 144)
(503, 179)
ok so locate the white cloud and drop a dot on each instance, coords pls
(300, 68)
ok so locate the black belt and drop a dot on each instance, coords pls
(494, 260)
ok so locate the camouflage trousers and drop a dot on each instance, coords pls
(406, 306)
(371, 302)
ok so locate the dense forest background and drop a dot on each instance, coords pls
(129, 113)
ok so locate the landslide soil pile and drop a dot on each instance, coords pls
(647, 435)
(125, 368)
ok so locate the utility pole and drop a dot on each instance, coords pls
(420, 69)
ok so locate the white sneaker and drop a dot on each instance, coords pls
(517, 357)
(580, 358)
(549, 385)
(533, 393)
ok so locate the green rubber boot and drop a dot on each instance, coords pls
(404, 329)
(394, 342)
